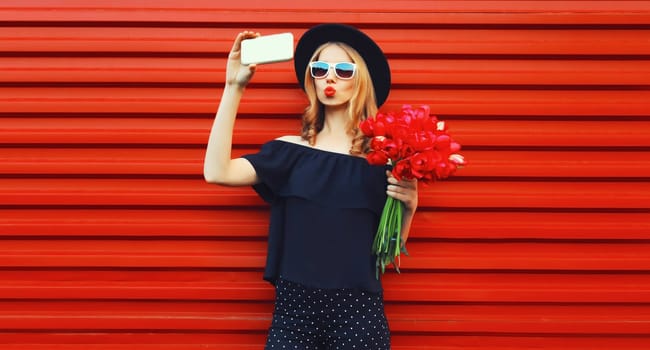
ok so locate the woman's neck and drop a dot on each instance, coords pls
(336, 121)
(334, 135)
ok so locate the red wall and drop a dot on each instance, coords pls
(110, 239)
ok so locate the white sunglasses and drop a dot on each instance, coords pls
(343, 70)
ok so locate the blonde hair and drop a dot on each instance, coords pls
(362, 104)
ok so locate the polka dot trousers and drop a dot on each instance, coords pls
(327, 319)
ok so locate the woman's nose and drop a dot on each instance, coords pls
(331, 75)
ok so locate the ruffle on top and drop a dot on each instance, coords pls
(319, 184)
(288, 169)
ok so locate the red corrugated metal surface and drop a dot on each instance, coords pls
(112, 240)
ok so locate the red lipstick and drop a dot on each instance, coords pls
(330, 91)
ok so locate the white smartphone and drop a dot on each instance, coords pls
(267, 49)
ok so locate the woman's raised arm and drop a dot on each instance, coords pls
(218, 166)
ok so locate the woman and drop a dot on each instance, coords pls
(325, 198)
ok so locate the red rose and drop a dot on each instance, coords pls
(387, 122)
(428, 124)
(402, 170)
(443, 143)
(454, 147)
(400, 131)
(423, 163)
(457, 159)
(444, 169)
(427, 178)
(377, 143)
(422, 140)
(406, 150)
(367, 127)
(377, 158)
(388, 146)
(391, 148)
(380, 128)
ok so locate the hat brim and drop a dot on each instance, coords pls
(367, 48)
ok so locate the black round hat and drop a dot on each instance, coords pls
(367, 48)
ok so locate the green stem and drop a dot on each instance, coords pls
(387, 244)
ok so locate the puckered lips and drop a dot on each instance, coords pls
(330, 91)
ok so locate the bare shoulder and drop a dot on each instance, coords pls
(293, 139)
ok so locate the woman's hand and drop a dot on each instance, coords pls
(404, 190)
(407, 192)
(238, 74)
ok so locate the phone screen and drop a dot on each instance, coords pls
(267, 49)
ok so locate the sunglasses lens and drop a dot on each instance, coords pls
(344, 70)
(319, 69)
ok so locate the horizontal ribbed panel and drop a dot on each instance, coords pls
(208, 70)
(217, 41)
(246, 254)
(133, 130)
(437, 288)
(234, 222)
(182, 192)
(363, 12)
(291, 101)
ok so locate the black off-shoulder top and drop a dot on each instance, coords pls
(325, 209)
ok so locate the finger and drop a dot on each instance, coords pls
(407, 191)
(399, 196)
(410, 202)
(410, 184)
(393, 194)
(394, 189)
(236, 47)
(391, 177)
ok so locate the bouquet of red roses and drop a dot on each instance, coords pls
(417, 146)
